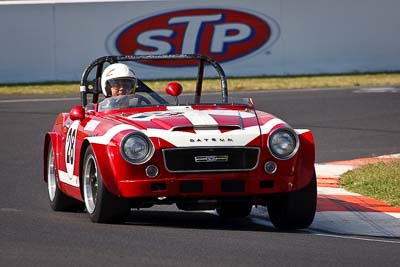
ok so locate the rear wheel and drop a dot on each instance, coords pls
(295, 210)
(234, 210)
(102, 206)
(58, 200)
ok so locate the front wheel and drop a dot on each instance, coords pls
(102, 206)
(294, 210)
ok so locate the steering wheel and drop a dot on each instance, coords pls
(142, 101)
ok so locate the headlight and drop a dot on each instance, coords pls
(136, 148)
(283, 143)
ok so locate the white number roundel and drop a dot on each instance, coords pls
(70, 148)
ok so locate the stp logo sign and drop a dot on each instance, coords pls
(223, 34)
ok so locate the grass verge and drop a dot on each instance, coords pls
(379, 181)
(256, 83)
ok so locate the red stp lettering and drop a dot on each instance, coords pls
(220, 33)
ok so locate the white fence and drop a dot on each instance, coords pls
(56, 40)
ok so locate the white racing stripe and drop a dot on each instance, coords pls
(200, 118)
(206, 137)
(201, 137)
(65, 178)
(106, 138)
(266, 128)
(243, 114)
(91, 125)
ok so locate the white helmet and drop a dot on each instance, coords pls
(116, 71)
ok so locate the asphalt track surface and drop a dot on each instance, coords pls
(347, 123)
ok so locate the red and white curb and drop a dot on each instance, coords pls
(342, 212)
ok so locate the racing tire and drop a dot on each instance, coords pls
(294, 210)
(58, 200)
(101, 205)
(234, 210)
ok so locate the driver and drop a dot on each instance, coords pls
(117, 81)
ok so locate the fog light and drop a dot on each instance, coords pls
(151, 171)
(270, 167)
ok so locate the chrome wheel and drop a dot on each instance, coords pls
(58, 200)
(102, 206)
(51, 174)
(90, 183)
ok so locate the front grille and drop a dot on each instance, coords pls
(211, 159)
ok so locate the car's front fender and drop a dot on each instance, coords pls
(306, 160)
(107, 165)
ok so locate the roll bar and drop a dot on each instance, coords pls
(84, 84)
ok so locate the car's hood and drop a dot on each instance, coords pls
(188, 127)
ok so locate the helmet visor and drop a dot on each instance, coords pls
(126, 84)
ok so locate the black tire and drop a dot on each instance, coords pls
(295, 210)
(234, 210)
(58, 200)
(102, 206)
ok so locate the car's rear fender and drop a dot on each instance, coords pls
(50, 138)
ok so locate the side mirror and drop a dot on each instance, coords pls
(77, 113)
(174, 89)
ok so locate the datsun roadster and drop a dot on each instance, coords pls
(177, 147)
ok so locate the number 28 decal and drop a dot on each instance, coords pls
(70, 148)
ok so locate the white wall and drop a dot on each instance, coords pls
(55, 41)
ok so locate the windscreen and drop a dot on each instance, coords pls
(143, 99)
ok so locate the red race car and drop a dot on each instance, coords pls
(130, 147)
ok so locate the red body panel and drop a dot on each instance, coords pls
(104, 131)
